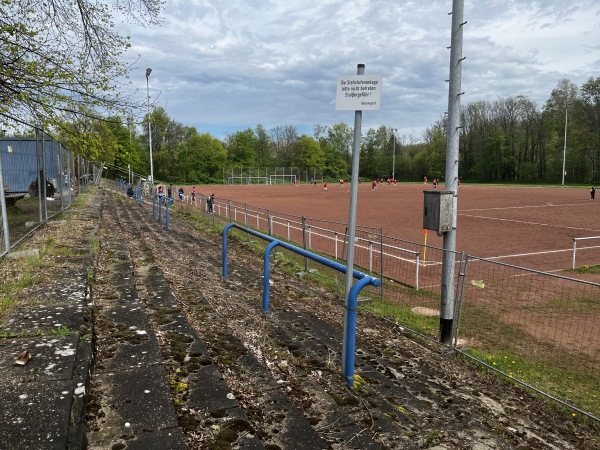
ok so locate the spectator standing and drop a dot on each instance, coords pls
(181, 193)
(170, 190)
(210, 201)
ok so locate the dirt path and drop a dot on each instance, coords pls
(282, 370)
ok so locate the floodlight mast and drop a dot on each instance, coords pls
(565, 144)
(394, 154)
(452, 156)
(148, 72)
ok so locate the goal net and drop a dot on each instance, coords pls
(257, 180)
(282, 179)
(237, 180)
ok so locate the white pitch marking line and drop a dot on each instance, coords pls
(529, 223)
(530, 254)
(525, 207)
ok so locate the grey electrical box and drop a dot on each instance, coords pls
(437, 211)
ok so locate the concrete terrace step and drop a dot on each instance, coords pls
(343, 425)
(206, 391)
(43, 401)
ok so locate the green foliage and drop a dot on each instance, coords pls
(241, 149)
(310, 153)
(63, 57)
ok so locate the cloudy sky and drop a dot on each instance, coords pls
(228, 65)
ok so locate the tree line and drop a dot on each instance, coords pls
(506, 140)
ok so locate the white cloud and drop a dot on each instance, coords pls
(228, 65)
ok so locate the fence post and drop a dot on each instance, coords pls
(4, 211)
(270, 230)
(462, 276)
(574, 251)
(381, 261)
(304, 242)
(417, 260)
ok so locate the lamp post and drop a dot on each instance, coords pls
(148, 72)
(394, 154)
(565, 145)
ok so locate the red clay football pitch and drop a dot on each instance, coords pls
(528, 226)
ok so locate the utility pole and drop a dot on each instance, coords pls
(452, 145)
(148, 72)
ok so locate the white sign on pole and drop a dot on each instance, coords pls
(358, 93)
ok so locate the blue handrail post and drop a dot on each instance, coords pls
(348, 361)
(154, 198)
(267, 274)
(160, 203)
(168, 202)
(138, 194)
(224, 255)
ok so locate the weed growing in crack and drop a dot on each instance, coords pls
(61, 331)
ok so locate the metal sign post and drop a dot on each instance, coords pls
(355, 92)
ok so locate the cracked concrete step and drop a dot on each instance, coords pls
(335, 410)
(43, 401)
(288, 433)
(130, 402)
(326, 341)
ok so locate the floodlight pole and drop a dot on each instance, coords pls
(452, 153)
(565, 145)
(148, 72)
(394, 155)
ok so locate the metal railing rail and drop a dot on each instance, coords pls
(350, 315)
(161, 199)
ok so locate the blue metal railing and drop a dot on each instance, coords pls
(364, 280)
(138, 194)
(160, 200)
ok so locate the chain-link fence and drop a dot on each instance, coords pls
(539, 328)
(39, 178)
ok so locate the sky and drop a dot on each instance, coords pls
(227, 65)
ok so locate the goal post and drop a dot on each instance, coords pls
(282, 179)
(237, 180)
(258, 180)
(575, 240)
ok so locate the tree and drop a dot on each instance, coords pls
(264, 147)
(241, 149)
(203, 158)
(340, 137)
(310, 154)
(589, 111)
(59, 56)
(284, 139)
